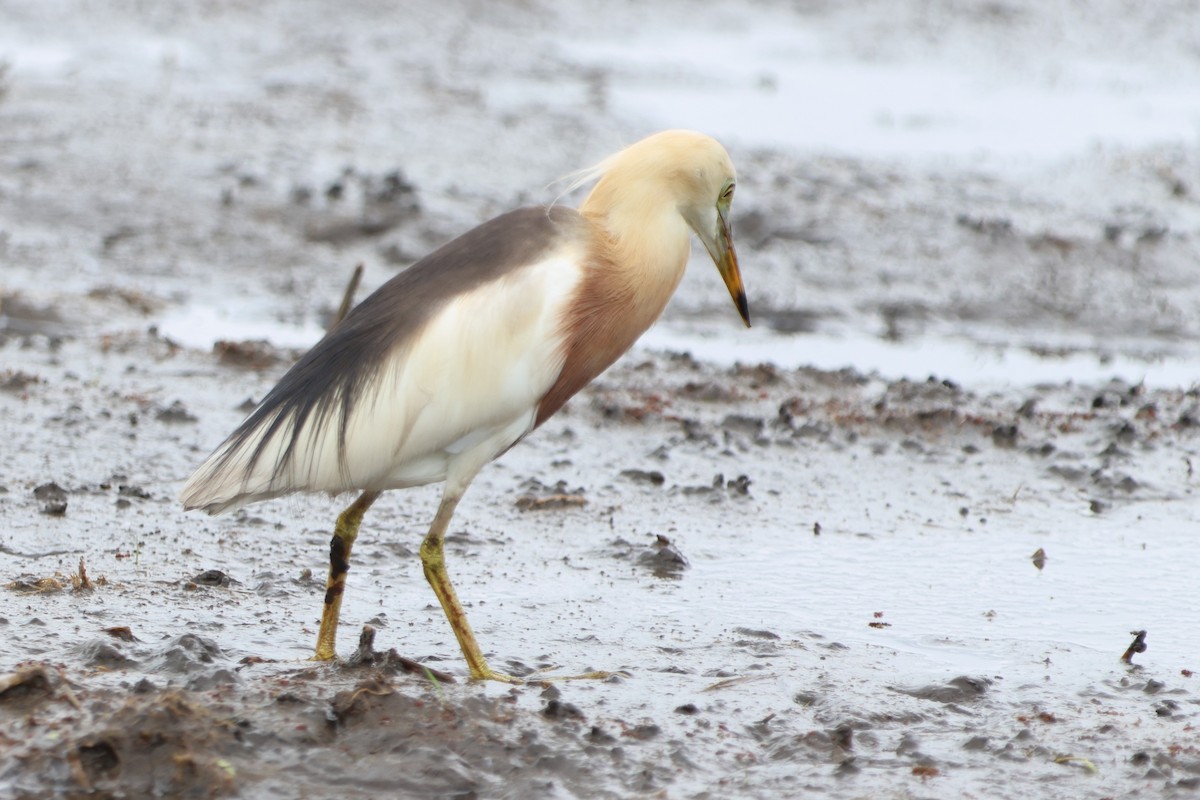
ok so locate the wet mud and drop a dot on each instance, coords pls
(620, 539)
(835, 581)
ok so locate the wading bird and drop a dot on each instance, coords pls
(455, 360)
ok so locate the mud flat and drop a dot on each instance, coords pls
(814, 580)
(892, 542)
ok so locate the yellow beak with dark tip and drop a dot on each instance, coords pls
(720, 247)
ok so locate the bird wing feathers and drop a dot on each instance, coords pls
(450, 356)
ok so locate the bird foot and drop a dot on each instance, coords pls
(486, 673)
(489, 674)
(599, 675)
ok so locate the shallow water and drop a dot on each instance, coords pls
(983, 362)
(799, 80)
(987, 364)
(776, 84)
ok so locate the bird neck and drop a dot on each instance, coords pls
(634, 261)
(650, 245)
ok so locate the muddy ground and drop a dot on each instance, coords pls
(859, 580)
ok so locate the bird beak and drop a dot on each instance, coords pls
(720, 247)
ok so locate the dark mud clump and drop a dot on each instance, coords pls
(53, 499)
(374, 736)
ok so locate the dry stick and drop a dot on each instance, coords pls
(347, 298)
(80, 582)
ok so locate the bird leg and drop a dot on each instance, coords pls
(433, 560)
(344, 534)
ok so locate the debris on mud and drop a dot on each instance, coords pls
(1138, 645)
(541, 497)
(663, 559)
(256, 354)
(1039, 558)
(32, 684)
(357, 205)
(21, 317)
(175, 414)
(963, 689)
(651, 477)
(211, 577)
(80, 581)
(53, 499)
(33, 585)
(365, 655)
(17, 381)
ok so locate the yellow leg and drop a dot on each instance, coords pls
(344, 534)
(433, 560)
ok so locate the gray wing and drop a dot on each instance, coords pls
(320, 392)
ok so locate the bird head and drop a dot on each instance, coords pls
(676, 171)
(705, 199)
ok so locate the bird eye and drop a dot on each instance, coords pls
(728, 193)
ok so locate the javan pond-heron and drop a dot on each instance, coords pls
(453, 361)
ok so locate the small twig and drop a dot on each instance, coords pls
(528, 502)
(80, 582)
(417, 668)
(78, 772)
(347, 298)
(725, 684)
(374, 691)
(64, 689)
